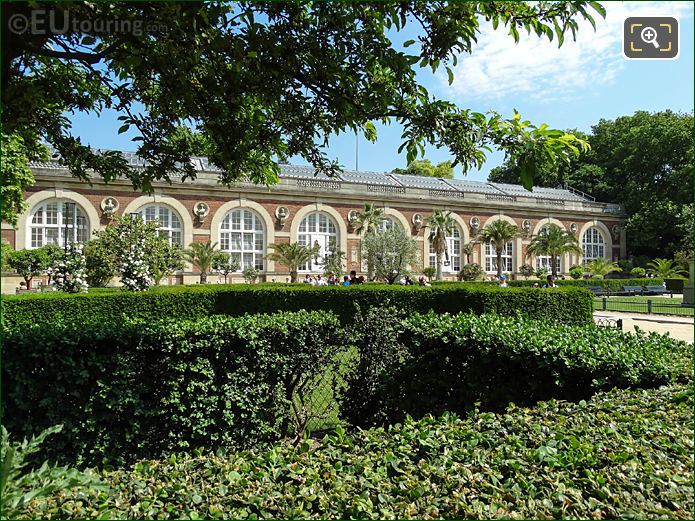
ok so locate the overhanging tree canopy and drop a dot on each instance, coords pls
(264, 81)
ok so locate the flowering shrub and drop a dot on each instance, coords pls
(69, 273)
(135, 274)
(135, 249)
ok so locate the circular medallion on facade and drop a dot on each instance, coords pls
(109, 205)
(201, 210)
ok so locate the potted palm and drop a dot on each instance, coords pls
(499, 233)
(441, 225)
(201, 255)
(292, 255)
(554, 242)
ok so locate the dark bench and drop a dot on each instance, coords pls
(632, 290)
(656, 290)
(598, 290)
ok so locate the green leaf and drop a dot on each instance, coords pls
(451, 75)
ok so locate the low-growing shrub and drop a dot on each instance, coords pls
(610, 284)
(622, 454)
(136, 390)
(20, 483)
(435, 363)
(568, 305)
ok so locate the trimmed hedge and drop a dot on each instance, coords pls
(567, 305)
(611, 284)
(436, 363)
(622, 454)
(134, 390)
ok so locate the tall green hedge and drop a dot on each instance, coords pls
(437, 363)
(135, 390)
(567, 305)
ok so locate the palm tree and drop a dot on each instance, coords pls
(201, 255)
(467, 250)
(665, 269)
(292, 255)
(554, 242)
(441, 225)
(499, 233)
(368, 221)
(602, 267)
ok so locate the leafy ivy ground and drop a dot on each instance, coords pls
(624, 453)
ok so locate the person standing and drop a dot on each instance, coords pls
(549, 282)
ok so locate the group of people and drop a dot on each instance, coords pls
(332, 280)
(353, 280)
(549, 282)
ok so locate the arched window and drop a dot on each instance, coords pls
(491, 257)
(593, 244)
(388, 223)
(243, 235)
(168, 221)
(453, 246)
(318, 230)
(543, 261)
(53, 220)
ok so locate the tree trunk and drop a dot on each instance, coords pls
(553, 266)
(438, 276)
(293, 276)
(203, 277)
(28, 281)
(499, 263)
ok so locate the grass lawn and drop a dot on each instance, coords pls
(661, 305)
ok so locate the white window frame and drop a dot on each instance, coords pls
(389, 223)
(593, 244)
(47, 226)
(507, 258)
(166, 226)
(243, 236)
(318, 228)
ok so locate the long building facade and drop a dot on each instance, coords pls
(315, 210)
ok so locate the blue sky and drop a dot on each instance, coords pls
(571, 87)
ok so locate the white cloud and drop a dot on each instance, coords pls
(538, 69)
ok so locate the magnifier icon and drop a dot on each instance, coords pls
(648, 35)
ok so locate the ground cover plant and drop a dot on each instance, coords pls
(567, 305)
(621, 454)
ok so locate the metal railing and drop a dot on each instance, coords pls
(656, 306)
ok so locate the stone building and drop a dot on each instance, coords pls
(315, 210)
